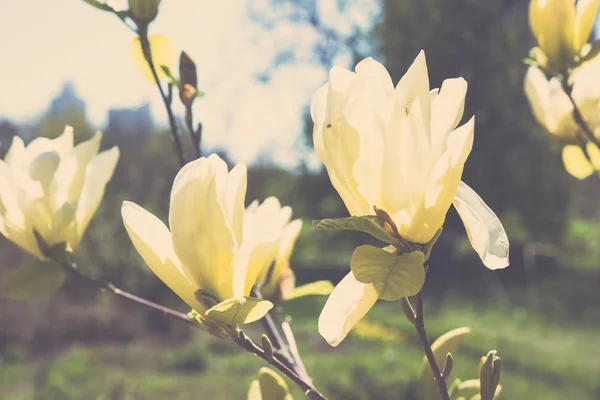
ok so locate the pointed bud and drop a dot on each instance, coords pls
(489, 375)
(448, 364)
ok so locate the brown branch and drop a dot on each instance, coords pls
(420, 326)
(143, 35)
(243, 341)
(577, 116)
(71, 268)
(247, 344)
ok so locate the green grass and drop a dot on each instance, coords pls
(542, 359)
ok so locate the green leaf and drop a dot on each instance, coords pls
(322, 288)
(370, 224)
(239, 310)
(447, 343)
(170, 75)
(394, 276)
(32, 280)
(269, 386)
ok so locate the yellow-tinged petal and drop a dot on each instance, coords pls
(346, 305)
(187, 217)
(152, 240)
(235, 193)
(537, 92)
(448, 108)
(441, 187)
(414, 86)
(576, 163)
(97, 175)
(162, 54)
(15, 155)
(282, 260)
(484, 229)
(553, 25)
(586, 13)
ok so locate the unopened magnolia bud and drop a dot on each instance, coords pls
(187, 94)
(489, 375)
(143, 11)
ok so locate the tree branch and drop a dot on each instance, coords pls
(420, 326)
(577, 116)
(143, 35)
(247, 344)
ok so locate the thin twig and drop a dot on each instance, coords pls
(247, 344)
(194, 135)
(270, 327)
(71, 268)
(289, 336)
(172, 123)
(577, 116)
(420, 326)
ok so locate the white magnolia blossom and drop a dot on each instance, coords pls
(52, 187)
(398, 149)
(213, 244)
(553, 109)
(551, 105)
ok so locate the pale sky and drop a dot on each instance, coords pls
(46, 43)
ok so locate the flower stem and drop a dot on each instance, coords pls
(247, 344)
(269, 324)
(243, 341)
(420, 326)
(71, 268)
(577, 116)
(143, 34)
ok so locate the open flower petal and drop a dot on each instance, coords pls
(575, 161)
(152, 240)
(346, 305)
(485, 231)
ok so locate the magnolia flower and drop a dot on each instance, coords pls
(52, 187)
(213, 245)
(561, 28)
(553, 109)
(270, 220)
(398, 149)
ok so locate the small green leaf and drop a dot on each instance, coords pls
(170, 75)
(447, 343)
(269, 386)
(370, 224)
(322, 288)
(394, 276)
(32, 280)
(239, 310)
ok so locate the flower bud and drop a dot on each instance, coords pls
(143, 11)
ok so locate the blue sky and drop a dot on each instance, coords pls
(49, 42)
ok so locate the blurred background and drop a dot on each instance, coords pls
(259, 62)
